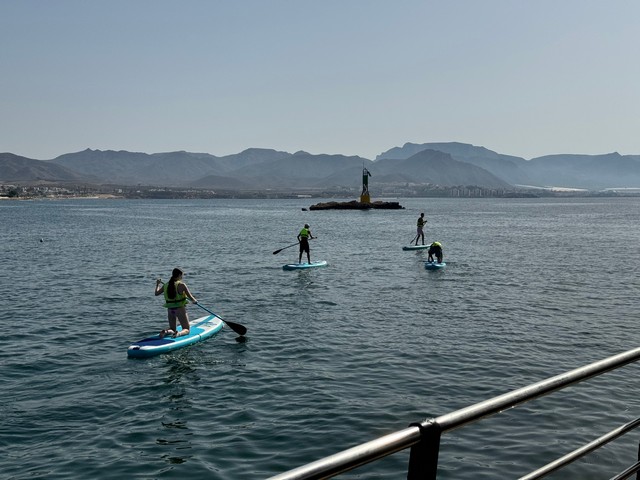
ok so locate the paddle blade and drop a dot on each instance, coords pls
(236, 327)
(278, 251)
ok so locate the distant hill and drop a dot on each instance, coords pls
(568, 170)
(441, 164)
(586, 171)
(506, 167)
(166, 169)
(217, 182)
(14, 168)
(250, 157)
(303, 169)
(132, 168)
(438, 168)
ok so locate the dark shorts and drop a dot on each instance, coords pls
(304, 245)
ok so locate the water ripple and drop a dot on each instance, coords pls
(333, 357)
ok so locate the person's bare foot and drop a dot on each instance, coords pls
(164, 333)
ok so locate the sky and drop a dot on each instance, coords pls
(352, 77)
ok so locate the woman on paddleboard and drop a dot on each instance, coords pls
(176, 294)
(303, 237)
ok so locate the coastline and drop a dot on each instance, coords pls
(101, 196)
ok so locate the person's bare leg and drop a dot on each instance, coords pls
(171, 316)
(184, 322)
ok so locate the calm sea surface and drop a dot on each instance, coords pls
(334, 357)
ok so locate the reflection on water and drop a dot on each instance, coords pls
(181, 367)
(181, 377)
(177, 424)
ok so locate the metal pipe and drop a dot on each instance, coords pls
(582, 451)
(473, 413)
(354, 457)
(367, 452)
(628, 472)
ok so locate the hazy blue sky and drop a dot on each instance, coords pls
(334, 76)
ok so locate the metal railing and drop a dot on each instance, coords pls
(424, 437)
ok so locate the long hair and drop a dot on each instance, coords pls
(172, 291)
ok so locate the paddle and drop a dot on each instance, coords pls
(236, 327)
(292, 245)
(278, 251)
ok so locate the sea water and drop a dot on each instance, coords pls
(334, 357)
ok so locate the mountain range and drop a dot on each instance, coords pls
(442, 164)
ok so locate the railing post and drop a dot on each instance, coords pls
(423, 459)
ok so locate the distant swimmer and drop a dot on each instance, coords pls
(303, 237)
(435, 249)
(420, 229)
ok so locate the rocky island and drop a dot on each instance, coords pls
(356, 205)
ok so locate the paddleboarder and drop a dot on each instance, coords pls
(176, 294)
(435, 249)
(420, 229)
(303, 237)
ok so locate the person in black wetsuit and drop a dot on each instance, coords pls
(420, 228)
(435, 249)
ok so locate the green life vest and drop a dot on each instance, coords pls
(180, 299)
(304, 233)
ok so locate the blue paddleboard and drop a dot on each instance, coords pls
(415, 247)
(201, 329)
(434, 265)
(302, 266)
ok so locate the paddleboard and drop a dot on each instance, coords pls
(201, 329)
(302, 266)
(434, 265)
(415, 247)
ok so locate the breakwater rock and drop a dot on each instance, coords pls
(355, 205)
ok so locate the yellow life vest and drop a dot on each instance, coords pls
(180, 299)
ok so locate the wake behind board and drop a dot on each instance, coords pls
(201, 329)
(302, 266)
(434, 265)
(415, 247)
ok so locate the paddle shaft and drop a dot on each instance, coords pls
(236, 327)
(292, 245)
(288, 246)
